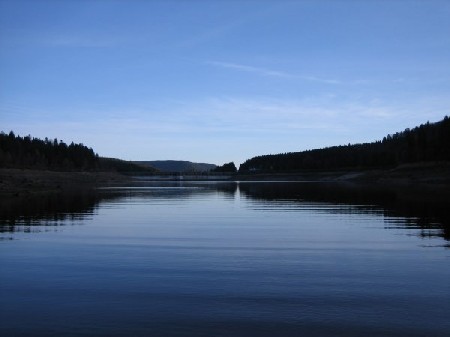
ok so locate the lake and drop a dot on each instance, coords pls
(226, 259)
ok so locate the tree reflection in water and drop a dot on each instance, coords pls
(425, 209)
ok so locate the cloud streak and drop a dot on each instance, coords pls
(250, 69)
(272, 73)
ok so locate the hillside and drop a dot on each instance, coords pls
(428, 142)
(124, 167)
(176, 165)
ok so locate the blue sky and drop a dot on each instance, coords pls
(220, 81)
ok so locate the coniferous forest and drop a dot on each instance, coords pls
(34, 153)
(225, 168)
(428, 142)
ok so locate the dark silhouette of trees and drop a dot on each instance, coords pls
(226, 168)
(34, 153)
(425, 143)
(123, 166)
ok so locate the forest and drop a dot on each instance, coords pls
(428, 142)
(225, 168)
(34, 153)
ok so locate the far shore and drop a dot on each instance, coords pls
(420, 173)
(432, 174)
(23, 181)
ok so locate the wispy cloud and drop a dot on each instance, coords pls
(259, 71)
(321, 80)
(272, 73)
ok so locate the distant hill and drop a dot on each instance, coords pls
(124, 166)
(176, 165)
(428, 142)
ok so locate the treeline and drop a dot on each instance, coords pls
(123, 166)
(35, 153)
(225, 168)
(55, 155)
(425, 143)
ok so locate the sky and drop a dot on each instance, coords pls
(220, 81)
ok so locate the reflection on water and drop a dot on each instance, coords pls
(28, 213)
(426, 210)
(226, 259)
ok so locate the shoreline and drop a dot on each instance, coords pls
(412, 174)
(432, 174)
(26, 181)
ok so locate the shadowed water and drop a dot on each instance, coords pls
(226, 259)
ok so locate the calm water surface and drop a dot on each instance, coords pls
(226, 259)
